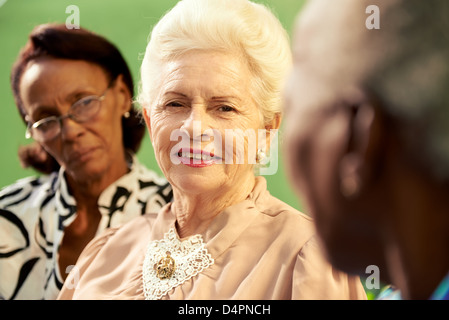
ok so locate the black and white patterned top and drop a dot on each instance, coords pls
(34, 212)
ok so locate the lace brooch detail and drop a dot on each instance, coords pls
(170, 262)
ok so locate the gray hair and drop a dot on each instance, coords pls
(413, 78)
(405, 64)
(240, 27)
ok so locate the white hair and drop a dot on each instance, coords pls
(239, 27)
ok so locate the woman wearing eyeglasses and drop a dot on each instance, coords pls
(74, 91)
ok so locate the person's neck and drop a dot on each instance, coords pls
(195, 211)
(87, 191)
(418, 241)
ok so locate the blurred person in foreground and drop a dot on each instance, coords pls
(212, 66)
(367, 137)
(74, 91)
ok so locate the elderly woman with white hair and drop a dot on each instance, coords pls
(212, 74)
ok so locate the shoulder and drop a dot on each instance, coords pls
(287, 225)
(290, 218)
(115, 244)
(153, 189)
(113, 241)
(33, 182)
(139, 191)
(282, 225)
(27, 189)
(126, 235)
(271, 206)
(137, 226)
(315, 278)
(157, 187)
(146, 173)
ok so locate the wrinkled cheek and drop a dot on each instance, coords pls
(239, 148)
(56, 151)
(162, 146)
(159, 149)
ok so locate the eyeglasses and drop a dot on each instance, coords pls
(81, 111)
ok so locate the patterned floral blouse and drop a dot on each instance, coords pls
(35, 211)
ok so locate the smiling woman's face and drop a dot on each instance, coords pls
(200, 95)
(87, 150)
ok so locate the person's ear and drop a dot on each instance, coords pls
(123, 95)
(146, 117)
(359, 163)
(274, 125)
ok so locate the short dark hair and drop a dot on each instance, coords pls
(56, 41)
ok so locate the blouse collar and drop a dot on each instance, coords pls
(226, 226)
(66, 204)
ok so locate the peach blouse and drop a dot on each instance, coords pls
(260, 248)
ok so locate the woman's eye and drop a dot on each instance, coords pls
(174, 104)
(86, 101)
(43, 116)
(226, 108)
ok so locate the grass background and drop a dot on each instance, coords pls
(127, 24)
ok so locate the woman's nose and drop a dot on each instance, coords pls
(70, 129)
(196, 122)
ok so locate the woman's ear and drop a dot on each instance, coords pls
(274, 125)
(123, 94)
(146, 117)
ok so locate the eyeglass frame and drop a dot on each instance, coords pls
(59, 119)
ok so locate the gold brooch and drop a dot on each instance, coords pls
(165, 267)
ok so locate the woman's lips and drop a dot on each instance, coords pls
(81, 155)
(197, 158)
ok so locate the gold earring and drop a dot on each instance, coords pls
(261, 157)
(126, 115)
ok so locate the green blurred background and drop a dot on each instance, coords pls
(127, 24)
